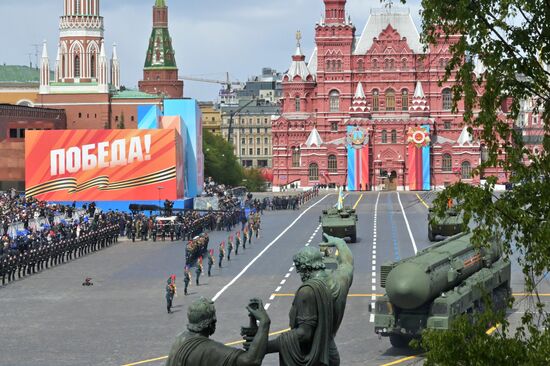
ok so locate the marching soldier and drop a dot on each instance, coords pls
(198, 271)
(229, 247)
(210, 261)
(237, 242)
(186, 279)
(221, 254)
(245, 236)
(170, 292)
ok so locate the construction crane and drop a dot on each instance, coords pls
(228, 84)
(36, 53)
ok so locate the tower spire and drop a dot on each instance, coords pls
(115, 69)
(335, 11)
(44, 70)
(160, 73)
(102, 80)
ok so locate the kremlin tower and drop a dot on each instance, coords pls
(86, 81)
(160, 73)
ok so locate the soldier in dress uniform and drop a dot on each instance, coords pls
(210, 261)
(229, 247)
(245, 236)
(186, 279)
(198, 271)
(221, 254)
(170, 292)
(237, 242)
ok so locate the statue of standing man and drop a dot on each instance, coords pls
(317, 310)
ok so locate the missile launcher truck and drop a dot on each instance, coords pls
(451, 224)
(431, 289)
(340, 223)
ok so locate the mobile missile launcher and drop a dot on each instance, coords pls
(340, 223)
(449, 225)
(431, 289)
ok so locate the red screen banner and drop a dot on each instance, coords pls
(103, 165)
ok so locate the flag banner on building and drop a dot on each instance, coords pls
(418, 139)
(104, 165)
(357, 140)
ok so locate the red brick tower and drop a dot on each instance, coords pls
(160, 74)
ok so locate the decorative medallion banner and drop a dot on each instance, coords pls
(418, 139)
(357, 140)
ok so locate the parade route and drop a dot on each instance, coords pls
(50, 319)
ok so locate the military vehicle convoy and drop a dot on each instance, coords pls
(449, 225)
(431, 289)
(340, 223)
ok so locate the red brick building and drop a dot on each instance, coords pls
(381, 83)
(14, 120)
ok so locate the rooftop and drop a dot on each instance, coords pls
(20, 74)
(133, 94)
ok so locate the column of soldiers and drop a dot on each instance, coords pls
(290, 202)
(40, 254)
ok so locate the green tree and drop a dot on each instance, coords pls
(220, 161)
(254, 180)
(512, 40)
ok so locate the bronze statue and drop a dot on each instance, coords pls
(317, 310)
(194, 348)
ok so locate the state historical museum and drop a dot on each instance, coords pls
(368, 113)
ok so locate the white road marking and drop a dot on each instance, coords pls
(243, 271)
(407, 224)
(271, 297)
(282, 282)
(266, 306)
(278, 289)
(373, 297)
(287, 275)
(291, 269)
(374, 234)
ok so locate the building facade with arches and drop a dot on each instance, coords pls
(382, 84)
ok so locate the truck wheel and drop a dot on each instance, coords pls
(399, 341)
(431, 236)
(353, 238)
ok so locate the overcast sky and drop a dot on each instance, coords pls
(210, 37)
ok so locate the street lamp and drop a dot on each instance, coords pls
(160, 188)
